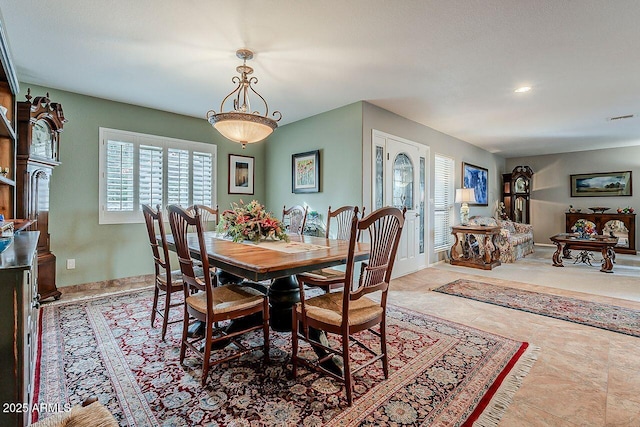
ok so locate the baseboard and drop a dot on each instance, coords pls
(112, 284)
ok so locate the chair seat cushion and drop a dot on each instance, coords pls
(226, 299)
(176, 276)
(327, 308)
(326, 274)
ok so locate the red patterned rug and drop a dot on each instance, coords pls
(441, 373)
(596, 314)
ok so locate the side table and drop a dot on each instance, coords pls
(467, 252)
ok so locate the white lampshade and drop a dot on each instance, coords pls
(243, 128)
(465, 195)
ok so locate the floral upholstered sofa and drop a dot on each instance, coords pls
(515, 239)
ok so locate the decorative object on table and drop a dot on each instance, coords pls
(584, 228)
(595, 314)
(574, 210)
(5, 242)
(4, 171)
(465, 196)
(599, 209)
(501, 212)
(240, 124)
(627, 210)
(251, 222)
(423, 353)
(601, 184)
(476, 177)
(305, 172)
(241, 174)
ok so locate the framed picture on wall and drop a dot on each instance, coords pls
(305, 172)
(601, 184)
(241, 172)
(476, 177)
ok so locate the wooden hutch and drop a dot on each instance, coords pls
(516, 194)
(18, 268)
(40, 123)
(607, 221)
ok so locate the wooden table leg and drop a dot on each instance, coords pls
(487, 252)
(607, 264)
(495, 255)
(557, 259)
(454, 254)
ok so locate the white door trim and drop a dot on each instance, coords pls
(368, 176)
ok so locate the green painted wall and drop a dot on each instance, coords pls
(338, 136)
(104, 252)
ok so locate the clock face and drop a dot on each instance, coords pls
(42, 139)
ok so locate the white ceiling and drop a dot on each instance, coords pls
(452, 65)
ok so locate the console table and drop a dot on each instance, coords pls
(601, 219)
(471, 255)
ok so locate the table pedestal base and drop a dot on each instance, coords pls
(284, 293)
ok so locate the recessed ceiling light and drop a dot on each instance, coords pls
(523, 89)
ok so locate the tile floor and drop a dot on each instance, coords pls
(584, 376)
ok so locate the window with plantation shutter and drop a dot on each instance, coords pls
(443, 202)
(138, 169)
(202, 175)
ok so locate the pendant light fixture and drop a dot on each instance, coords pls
(241, 124)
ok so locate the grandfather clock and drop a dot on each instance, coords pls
(40, 123)
(516, 194)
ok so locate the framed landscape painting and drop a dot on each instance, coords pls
(305, 172)
(476, 177)
(240, 174)
(601, 184)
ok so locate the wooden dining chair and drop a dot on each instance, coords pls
(295, 217)
(330, 278)
(349, 311)
(212, 304)
(208, 215)
(166, 281)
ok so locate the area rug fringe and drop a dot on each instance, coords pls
(496, 408)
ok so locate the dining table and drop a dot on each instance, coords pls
(275, 261)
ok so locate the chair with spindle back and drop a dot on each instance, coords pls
(212, 304)
(296, 216)
(166, 281)
(350, 310)
(331, 278)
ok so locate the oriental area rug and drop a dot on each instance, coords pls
(441, 373)
(604, 316)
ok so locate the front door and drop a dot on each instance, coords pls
(404, 185)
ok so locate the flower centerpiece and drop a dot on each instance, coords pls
(250, 222)
(584, 228)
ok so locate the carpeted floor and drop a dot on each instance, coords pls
(599, 315)
(442, 373)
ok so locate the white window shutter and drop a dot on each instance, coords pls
(443, 202)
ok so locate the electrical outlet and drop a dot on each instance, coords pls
(71, 264)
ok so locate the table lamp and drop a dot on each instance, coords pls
(465, 196)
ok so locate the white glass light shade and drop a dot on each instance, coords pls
(465, 195)
(242, 127)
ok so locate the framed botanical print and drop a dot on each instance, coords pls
(476, 177)
(305, 172)
(241, 174)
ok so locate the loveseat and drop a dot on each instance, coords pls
(515, 240)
